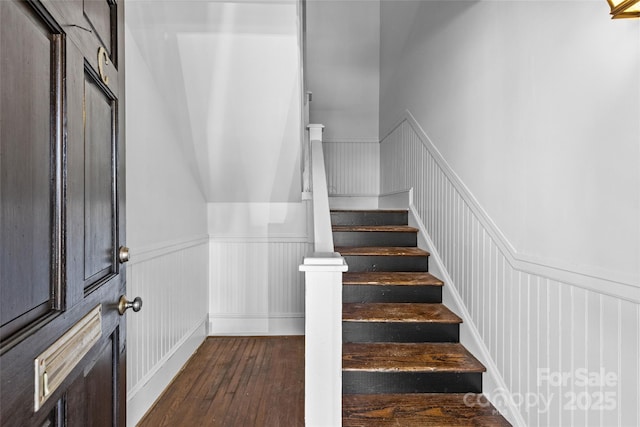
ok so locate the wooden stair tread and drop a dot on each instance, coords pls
(409, 357)
(398, 312)
(419, 410)
(375, 228)
(381, 251)
(383, 278)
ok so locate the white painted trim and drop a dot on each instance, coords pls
(322, 235)
(469, 335)
(323, 339)
(366, 140)
(256, 316)
(396, 199)
(315, 131)
(259, 239)
(354, 195)
(353, 201)
(146, 253)
(323, 261)
(592, 281)
(256, 324)
(393, 200)
(142, 397)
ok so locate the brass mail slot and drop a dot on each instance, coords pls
(54, 364)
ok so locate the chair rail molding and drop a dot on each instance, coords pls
(164, 334)
(591, 280)
(145, 253)
(522, 318)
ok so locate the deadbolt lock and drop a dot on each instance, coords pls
(123, 254)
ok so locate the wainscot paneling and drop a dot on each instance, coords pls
(255, 286)
(567, 350)
(353, 168)
(172, 280)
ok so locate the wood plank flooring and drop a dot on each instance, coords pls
(236, 381)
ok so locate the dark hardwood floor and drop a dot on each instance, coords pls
(236, 381)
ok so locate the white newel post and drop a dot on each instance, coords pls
(323, 339)
(315, 132)
(323, 305)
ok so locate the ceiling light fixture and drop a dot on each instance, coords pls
(624, 8)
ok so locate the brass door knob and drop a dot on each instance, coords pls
(123, 254)
(124, 304)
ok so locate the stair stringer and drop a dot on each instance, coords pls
(494, 386)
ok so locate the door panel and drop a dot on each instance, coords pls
(102, 16)
(27, 156)
(97, 411)
(99, 188)
(62, 207)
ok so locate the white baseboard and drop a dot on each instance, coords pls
(396, 200)
(354, 201)
(393, 200)
(248, 325)
(348, 139)
(140, 400)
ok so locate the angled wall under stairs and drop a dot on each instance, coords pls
(402, 360)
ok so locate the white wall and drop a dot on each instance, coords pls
(230, 74)
(249, 125)
(342, 68)
(535, 106)
(167, 235)
(517, 124)
(520, 319)
(242, 83)
(343, 72)
(255, 251)
(353, 168)
(230, 78)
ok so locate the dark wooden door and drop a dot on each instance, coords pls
(62, 348)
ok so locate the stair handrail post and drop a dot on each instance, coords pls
(323, 339)
(322, 235)
(323, 304)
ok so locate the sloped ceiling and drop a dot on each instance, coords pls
(230, 73)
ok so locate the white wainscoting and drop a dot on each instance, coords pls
(536, 323)
(255, 286)
(353, 168)
(172, 280)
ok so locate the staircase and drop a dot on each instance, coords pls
(402, 361)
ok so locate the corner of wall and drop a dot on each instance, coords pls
(141, 400)
(255, 287)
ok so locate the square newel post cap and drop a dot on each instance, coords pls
(315, 132)
(324, 262)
